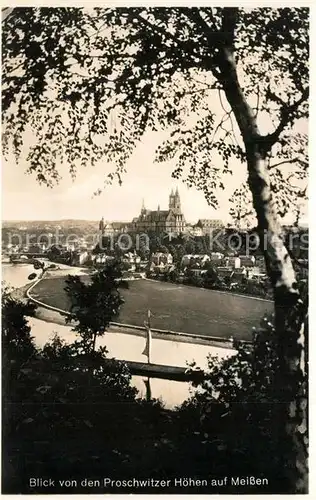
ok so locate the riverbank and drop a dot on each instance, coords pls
(58, 316)
(190, 310)
(122, 345)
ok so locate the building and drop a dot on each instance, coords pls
(111, 228)
(247, 260)
(160, 258)
(233, 262)
(131, 260)
(260, 262)
(120, 227)
(170, 221)
(161, 263)
(105, 228)
(225, 272)
(216, 257)
(195, 231)
(207, 225)
(239, 275)
(198, 260)
(80, 258)
(101, 259)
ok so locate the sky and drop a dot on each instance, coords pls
(25, 199)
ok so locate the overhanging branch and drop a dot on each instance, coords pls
(287, 111)
(5, 12)
(229, 22)
(292, 160)
(185, 48)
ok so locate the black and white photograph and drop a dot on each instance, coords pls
(155, 249)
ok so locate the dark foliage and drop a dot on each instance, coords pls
(94, 305)
(236, 411)
(161, 68)
(70, 414)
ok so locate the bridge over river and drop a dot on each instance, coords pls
(28, 256)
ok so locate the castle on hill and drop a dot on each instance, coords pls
(170, 221)
(161, 221)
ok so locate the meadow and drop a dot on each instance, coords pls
(178, 308)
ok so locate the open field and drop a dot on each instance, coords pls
(174, 307)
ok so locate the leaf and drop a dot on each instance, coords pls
(43, 389)
(28, 420)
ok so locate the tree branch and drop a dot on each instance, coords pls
(8, 73)
(6, 12)
(157, 29)
(186, 48)
(258, 100)
(212, 37)
(209, 86)
(229, 113)
(286, 112)
(220, 125)
(229, 22)
(293, 160)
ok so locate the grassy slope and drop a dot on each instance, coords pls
(175, 307)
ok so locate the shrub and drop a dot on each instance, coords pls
(233, 413)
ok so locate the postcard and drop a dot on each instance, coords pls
(155, 259)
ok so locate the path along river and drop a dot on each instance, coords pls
(124, 346)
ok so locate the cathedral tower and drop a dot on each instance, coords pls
(174, 202)
(171, 200)
(177, 202)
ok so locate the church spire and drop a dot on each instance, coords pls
(177, 192)
(143, 205)
(101, 225)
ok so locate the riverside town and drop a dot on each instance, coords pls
(155, 250)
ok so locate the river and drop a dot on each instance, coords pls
(125, 346)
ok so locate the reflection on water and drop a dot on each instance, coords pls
(16, 274)
(123, 346)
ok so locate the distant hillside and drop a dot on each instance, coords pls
(61, 222)
(51, 225)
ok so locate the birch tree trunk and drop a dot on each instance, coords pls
(290, 313)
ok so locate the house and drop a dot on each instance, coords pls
(161, 259)
(111, 228)
(198, 260)
(233, 262)
(232, 275)
(196, 231)
(216, 257)
(260, 262)
(102, 258)
(208, 225)
(225, 272)
(79, 258)
(247, 260)
(120, 227)
(239, 275)
(131, 260)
